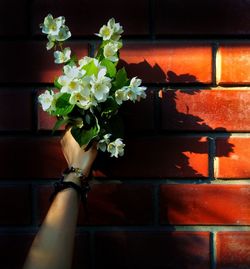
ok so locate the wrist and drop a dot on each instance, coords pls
(71, 177)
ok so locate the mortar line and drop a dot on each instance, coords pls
(213, 254)
(34, 206)
(139, 181)
(156, 205)
(92, 249)
(211, 157)
(214, 66)
(150, 228)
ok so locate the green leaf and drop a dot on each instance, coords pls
(84, 136)
(121, 79)
(63, 107)
(59, 123)
(91, 69)
(57, 84)
(73, 60)
(111, 70)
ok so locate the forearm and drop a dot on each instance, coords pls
(53, 245)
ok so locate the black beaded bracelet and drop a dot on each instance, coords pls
(62, 185)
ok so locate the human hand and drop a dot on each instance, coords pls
(75, 155)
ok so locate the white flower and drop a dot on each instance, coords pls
(80, 99)
(100, 86)
(55, 30)
(63, 33)
(71, 80)
(52, 26)
(117, 29)
(110, 50)
(111, 31)
(105, 32)
(102, 145)
(116, 148)
(134, 92)
(51, 43)
(86, 60)
(62, 56)
(121, 95)
(46, 100)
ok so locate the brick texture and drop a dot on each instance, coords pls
(233, 64)
(180, 157)
(14, 244)
(13, 21)
(201, 18)
(152, 250)
(17, 104)
(194, 58)
(34, 156)
(205, 110)
(233, 250)
(233, 163)
(36, 63)
(14, 212)
(205, 204)
(172, 63)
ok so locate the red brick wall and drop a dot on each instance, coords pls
(180, 196)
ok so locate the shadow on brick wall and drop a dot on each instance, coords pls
(177, 146)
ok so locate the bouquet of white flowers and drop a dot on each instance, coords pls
(88, 94)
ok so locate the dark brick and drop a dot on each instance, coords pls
(15, 204)
(15, 109)
(158, 157)
(148, 250)
(202, 18)
(109, 204)
(31, 157)
(86, 18)
(14, 249)
(13, 17)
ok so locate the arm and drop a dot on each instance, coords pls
(53, 245)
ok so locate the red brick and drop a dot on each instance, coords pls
(173, 250)
(14, 212)
(31, 157)
(189, 18)
(36, 64)
(205, 110)
(109, 204)
(13, 17)
(233, 157)
(205, 204)
(14, 249)
(233, 64)
(233, 250)
(86, 18)
(15, 109)
(158, 157)
(173, 63)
